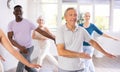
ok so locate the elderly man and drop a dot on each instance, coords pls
(69, 40)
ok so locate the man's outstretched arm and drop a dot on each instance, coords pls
(45, 33)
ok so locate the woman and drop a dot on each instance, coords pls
(5, 42)
(90, 27)
(44, 47)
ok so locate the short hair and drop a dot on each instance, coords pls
(87, 13)
(71, 8)
(17, 6)
(41, 17)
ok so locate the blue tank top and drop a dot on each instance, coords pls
(90, 30)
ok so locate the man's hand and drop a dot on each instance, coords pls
(85, 55)
(34, 65)
(23, 50)
(1, 58)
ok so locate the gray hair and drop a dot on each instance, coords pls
(71, 8)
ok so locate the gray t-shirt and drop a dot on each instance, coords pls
(72, 40)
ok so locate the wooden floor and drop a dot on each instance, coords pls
(107, 65)
(102, 64)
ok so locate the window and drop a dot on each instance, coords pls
(102, 16)
(49, 10)
(99, 9)
(50, 13)
(85, 8)
(116, 16)
(116, 20)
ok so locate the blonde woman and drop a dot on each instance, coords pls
(87, 48)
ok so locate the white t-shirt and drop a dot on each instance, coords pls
(73, 40)
(22, 32)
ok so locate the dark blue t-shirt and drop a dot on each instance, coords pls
(90, 30)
